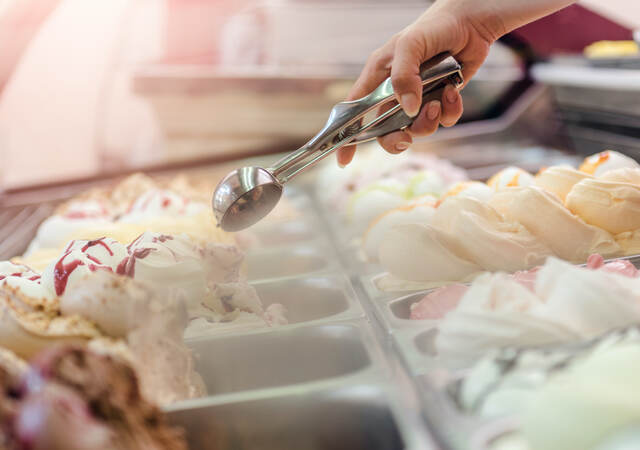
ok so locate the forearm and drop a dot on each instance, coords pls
(495, 18)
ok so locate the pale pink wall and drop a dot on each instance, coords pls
(70, 94)
(627, 12)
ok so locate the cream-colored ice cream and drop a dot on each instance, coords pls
(463, 237)
(515, 222)
(602, 162)
(566, 234)
(625, 175)
(481, 235)
(510, 177)
(612, 206)
(473, 189)
(559, 179)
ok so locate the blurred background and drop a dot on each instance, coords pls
(95, 87)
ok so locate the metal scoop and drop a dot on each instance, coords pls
(248, 194)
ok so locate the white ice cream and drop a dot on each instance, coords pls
(420, 213)
(567, 303)
(79, 259)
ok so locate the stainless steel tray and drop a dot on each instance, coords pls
(281, 360)
(290, 262)
(349, 418)
(313, 299)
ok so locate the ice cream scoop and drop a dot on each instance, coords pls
(248, 194)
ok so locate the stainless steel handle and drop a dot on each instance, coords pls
(369, 117)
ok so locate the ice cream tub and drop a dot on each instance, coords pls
(294, 232)
(284, 263)
(418, 351)
(306, 356)
(313, 300)
(351, 418)
(395, 314)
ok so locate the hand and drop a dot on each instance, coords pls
(464, 28)
(437, 30)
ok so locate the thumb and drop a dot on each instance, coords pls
(413, 48)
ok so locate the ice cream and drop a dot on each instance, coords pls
(566, 234)
(136, 205)
(471, 189)
(438, 303)
(72, 399)
(423, 172)
(206, 277)
(80, 258)
(563, 397)
(30, 319)
(370, 202)
(378, 228)
(610, 205)
(512, 224)
(505, 380)
(559, 180)
(464, 237)
(602, 162)
(510, 177)
(587, 404)
(376, 182)
(567, 303)
(421, 253)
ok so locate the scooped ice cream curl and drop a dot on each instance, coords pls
(510, 177)
(567, 235)
(602, 162)
(612, 206)
(559, 180)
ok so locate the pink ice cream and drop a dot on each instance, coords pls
(436, 304)
(620, 266)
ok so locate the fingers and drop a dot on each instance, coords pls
(396, 142)
(405, 74)
(416, 45)
(427, 121)
(451, 106)
(376, 70)
(345, 155)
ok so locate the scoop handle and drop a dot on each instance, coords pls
(369, 117)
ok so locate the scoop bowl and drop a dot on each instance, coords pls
(245, 196)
